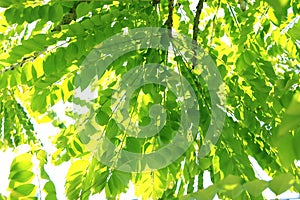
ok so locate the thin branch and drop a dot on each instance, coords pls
(20, 64)
(67, 19)
(169, 21)
(31, 58)
(196, 19)
(196, 29)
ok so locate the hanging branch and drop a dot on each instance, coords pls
(197, 19)
(67, 19)
(31, 58)
(169, 21)
(196, 29)
(20, 64)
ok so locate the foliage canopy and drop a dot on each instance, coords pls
(255, 45)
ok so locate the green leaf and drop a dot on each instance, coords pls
(231, 186)
(155, 160)
(269, 70)
(166, 134)
(12, 14)
(21, 162)
(42, 156)
(83, 9)
(256, 187)
(112, 129)
(100, 181)
(102, 118)
(133, 145)
(77, 167)
(286, 151)
(117, 183)
(77, 29)
(75, 178)
(97, 20)
(44, 174)
(49, 187)
(22, 176)
(205, 194)
(56, 13)
(51, 197)
(106, 18)
(4, 4)
(44, 12)
(241, 64)
(295, 31)
(296, 143)
(2, 197)
(291, 118)
(26, 74)
(280, 6)
(151, 184)
(33, 72)
(204, 163)
(88, 24)
(49, 65)
(39, 102)
(281, 183)
(249, 57)
(24, 190)
(145, 121)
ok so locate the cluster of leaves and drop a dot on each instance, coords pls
(15, 125)
(234, 186)
(27, 174)
(255, 45)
